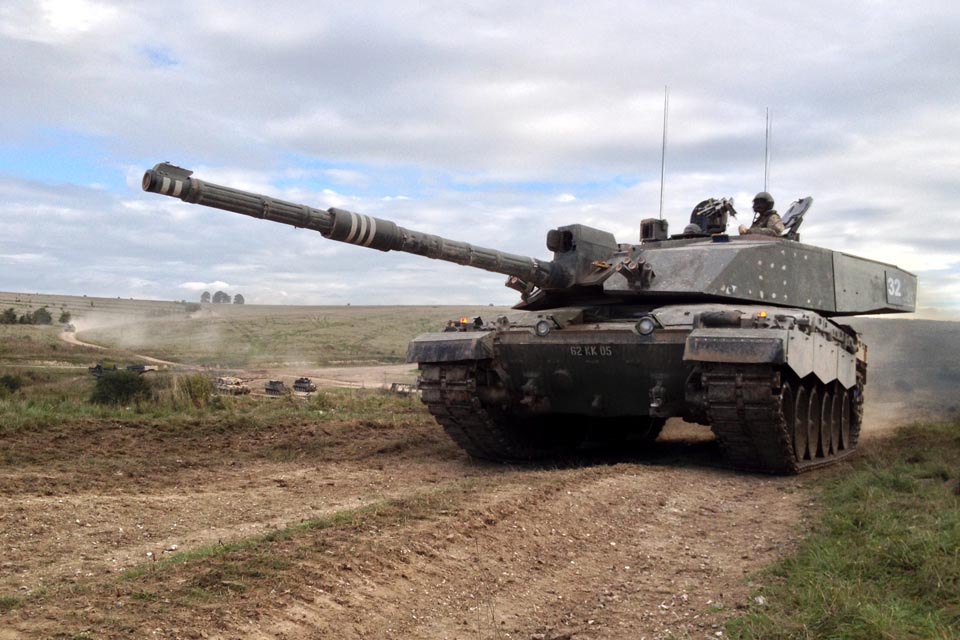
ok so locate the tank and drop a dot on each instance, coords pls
(304, 385)
(741, 334)
(275, 388)
(227, 385)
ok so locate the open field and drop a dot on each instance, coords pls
(250, 336)
(351, 515)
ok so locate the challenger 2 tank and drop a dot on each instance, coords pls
(738, 333)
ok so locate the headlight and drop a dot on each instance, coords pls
(645, 326)
(542, 327)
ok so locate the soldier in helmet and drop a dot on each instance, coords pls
(766, 220)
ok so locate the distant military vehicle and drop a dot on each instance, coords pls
(275, 388)
(230, 386)
(101, 368)
(403, 388)
(142, 368)
(304, 385)
(737, 333)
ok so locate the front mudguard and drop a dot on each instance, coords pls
(451, 346)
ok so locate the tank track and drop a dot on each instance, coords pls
(756, 416)
(773, 424)
(449, 390)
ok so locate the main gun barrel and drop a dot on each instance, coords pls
(350, 227)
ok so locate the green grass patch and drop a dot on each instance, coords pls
(884, 559)
(9, 602)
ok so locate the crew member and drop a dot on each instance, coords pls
(766, 220)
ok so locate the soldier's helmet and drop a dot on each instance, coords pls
(762, 202)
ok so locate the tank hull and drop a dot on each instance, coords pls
(781, 388)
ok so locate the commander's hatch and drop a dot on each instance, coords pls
(793, 218)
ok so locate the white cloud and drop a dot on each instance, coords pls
(203, 286)
(71, 16)
(22, 258)
(488, 123)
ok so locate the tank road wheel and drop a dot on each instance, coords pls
(845, 421)
(801, 423)
(826, 412)
(815, 422)
(835, 415)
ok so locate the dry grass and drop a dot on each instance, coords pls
(245, 336)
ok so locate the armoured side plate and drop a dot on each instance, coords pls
(865, 286)
(802, 352)
(451, 347)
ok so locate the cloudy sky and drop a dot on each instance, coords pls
(484, 121)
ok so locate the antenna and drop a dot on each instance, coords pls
(663, 149)
(766, 155)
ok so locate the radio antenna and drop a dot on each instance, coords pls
(663, 149)
(766, 155)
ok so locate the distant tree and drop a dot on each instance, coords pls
(191, 307)
(205, 296)
(221, 298)
(42, 316)
(64, 316)
(26, 318)
(8, 317)
(238, 299)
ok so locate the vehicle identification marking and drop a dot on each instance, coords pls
(894, 287)
(591, 350)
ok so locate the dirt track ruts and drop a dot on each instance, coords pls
(651, 545)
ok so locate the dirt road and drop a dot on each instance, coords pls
(649, 545)
(71, 338)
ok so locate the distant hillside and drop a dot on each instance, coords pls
(248, 335)
(85, 306)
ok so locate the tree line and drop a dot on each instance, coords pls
(38, 316)
(221, 297)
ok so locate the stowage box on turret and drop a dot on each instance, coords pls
(610, 340)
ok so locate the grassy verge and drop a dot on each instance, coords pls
(884, 560)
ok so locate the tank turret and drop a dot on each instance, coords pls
(733, 332)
